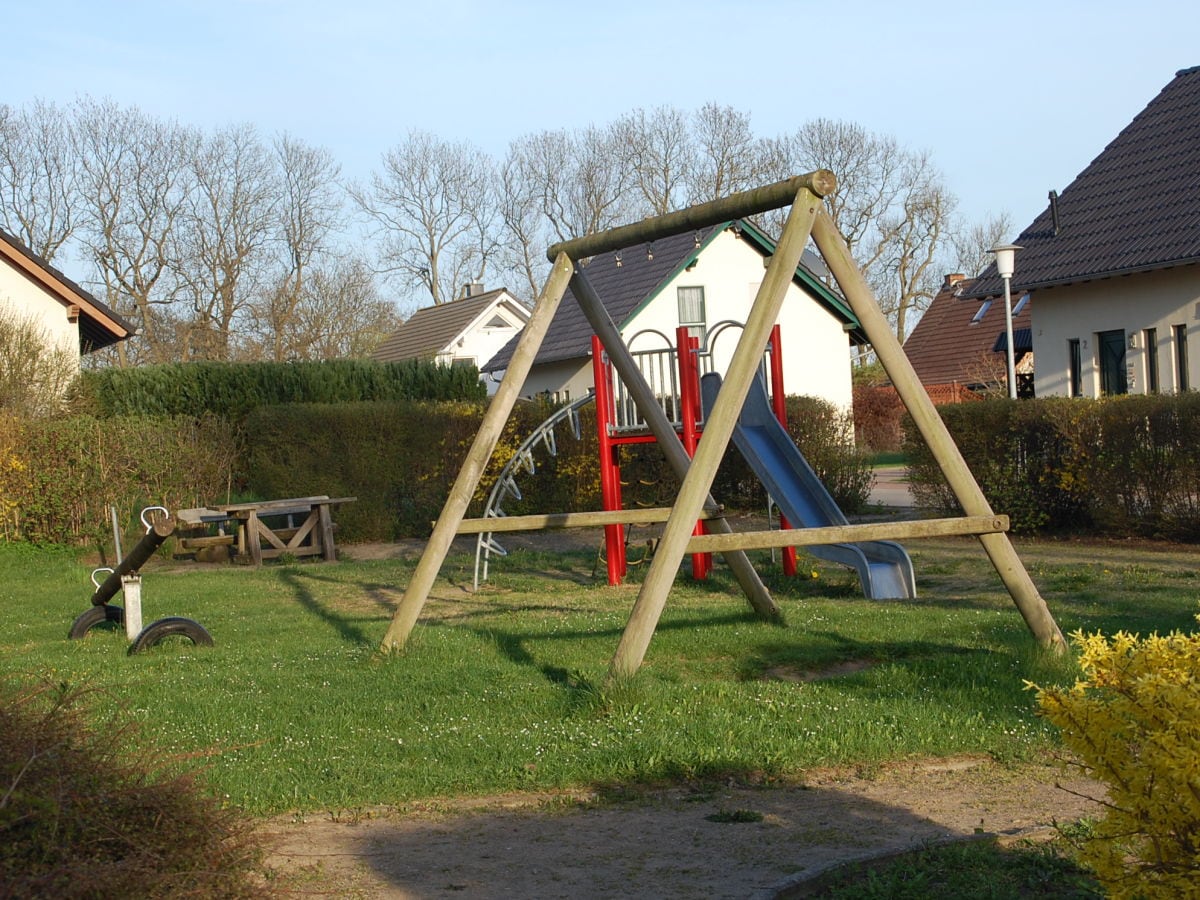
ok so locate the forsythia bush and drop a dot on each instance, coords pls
(1134, 722)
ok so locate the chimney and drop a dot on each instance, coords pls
(472, 289)
(952, 278)
(1054, 212)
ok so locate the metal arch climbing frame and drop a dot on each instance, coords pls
(506, 483)
(807, 217)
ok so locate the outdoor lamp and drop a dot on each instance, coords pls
(1005, 254)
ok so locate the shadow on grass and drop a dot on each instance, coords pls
(514, 644)
(344, 625)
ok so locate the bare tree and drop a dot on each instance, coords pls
(225, 237)
(728, 157)
(308, 211)
(971, 242)
(658, 150)
(342, 314)
(912, 240)
(525, 232)
(433, 206)
(37, 177)
(133, 188)
(891, 207)
(578, 179)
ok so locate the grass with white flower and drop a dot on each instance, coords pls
(504, 689)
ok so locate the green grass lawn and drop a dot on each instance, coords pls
(504, 689)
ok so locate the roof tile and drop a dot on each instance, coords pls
(1135, 208)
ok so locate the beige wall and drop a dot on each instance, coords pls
(22, 298)
(1134, 303)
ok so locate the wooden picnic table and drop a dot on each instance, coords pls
(266, 529)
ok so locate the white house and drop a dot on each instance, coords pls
(33, 291)
(700, 280)
(1112, 262)
(467, 331)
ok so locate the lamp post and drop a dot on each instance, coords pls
(1004, 267)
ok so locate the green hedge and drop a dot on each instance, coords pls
(1120, 466)
(58, 477)
(232, 390)
(400, 459)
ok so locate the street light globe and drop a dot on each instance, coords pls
(1004, 258)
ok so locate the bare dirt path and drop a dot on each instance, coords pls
(731, 841)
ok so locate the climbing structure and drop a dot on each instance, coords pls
(807, 218)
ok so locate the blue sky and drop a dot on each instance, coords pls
(1011, 99)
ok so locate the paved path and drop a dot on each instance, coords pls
(891, 487)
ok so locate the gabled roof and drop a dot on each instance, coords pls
(628, 279)
(431, 330)
(1135, 208)
(947, 347)
(99, 326)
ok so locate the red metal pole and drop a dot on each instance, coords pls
(687, 348)
(610, 472)
(779, 405)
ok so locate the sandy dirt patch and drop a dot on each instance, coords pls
(728, 841)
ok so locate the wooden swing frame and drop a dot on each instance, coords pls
(807, 218)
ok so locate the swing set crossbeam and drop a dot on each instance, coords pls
(745, 540)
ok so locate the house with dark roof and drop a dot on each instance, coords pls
(1112, 261)
(961, 343)
(466, 331)
(706, 281)
(70, 317)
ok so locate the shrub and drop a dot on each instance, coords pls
(878, 418)
(1134, 722)
(86, 812)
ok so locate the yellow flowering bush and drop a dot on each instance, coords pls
(1133, 721)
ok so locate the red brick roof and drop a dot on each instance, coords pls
(947, 347)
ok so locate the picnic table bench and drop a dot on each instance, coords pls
(267, 529)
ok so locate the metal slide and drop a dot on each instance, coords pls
(883, 567)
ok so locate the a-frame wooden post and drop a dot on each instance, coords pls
(481, 450)
(666, 437)
(945, 452)
(718, 429)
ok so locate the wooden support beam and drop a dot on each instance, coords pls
(540, 521)
(822, 183)
(480, 452)
(664, 433)
(718, 429)
(743, 540)
(887, 348)
(849, 534)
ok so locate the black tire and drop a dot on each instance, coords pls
(97, 615)
(172, 625)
